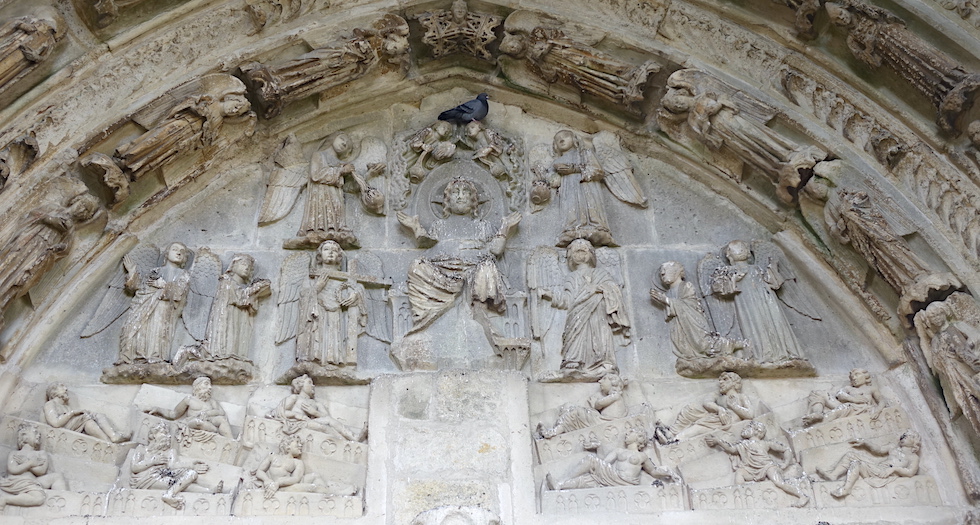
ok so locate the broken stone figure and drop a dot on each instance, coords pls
(720, 116)
(606, 405)
(42, 236)
(884, 464)
(718, 412)
(753, 460)
(59, 414)
(287, 472)
(28, 474)
(459, 31)
(25, 42)
(860, 397)
(153, 466)
(621, 466)
(198, 411)
(158, 301)
(428, 148)
(302, 409)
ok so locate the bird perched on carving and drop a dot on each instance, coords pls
(467, 112)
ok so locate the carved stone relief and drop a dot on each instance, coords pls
(26, 42)
(459, 30)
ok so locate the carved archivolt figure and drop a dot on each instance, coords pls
(24, 43)
(853, 219)
(301, 409)
(620, 467)
(949, 335)
(860, 397)
(27, 472)
(691, 333)
(42, 236)
(750, 284)
(323, 306)
(195, 122)
(754, 462)
(720, 116)
(280, 84)
(154, 467)
(229, 333)
(287, 472)
(199, 411)
(608, 404)
(459, 30)
(900, 460)
(718, 412)
(428, 148)
(879, 38)
(555, 57)
(596, 314)
(578, 172)
(343, 162)
(467, 253)
(59, 414)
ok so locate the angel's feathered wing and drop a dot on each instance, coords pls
(116, 301)
(619, 178)
(293, 275)
(203, 287)
(289, 176)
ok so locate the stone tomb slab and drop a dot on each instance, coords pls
(631, 500)
(328, 468)
(259, 430)
(67, 442)
(146, 503)
(891, 420)
(254, 503)
(756, 495)
(62, 503)
(569, 443)
(899, 492)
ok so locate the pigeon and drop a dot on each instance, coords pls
(475, 109)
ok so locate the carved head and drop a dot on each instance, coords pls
(580, 252)
(158, 438)
(859, 377)
(634, 436)
(738, 251)
(202, 388)
(910, 439)
(565, 141)
(28, 435)
(755, 429)
(540, 192)
(460, 197)
(671, 272)
(611, 382)
(57, 390)
(729, 382)
(83, 207)
(394, 32)
(679, 97)
(839, 15)
(177, 254)
(291, 446)
(513, 44)
(342, 144)
(330, 254)
(473, 128)
(303, 383)
(442, 129)
(459, 10)
(242, 265)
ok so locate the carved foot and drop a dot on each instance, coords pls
(812, 419)
(801, 501)
(121, 438)
(176, 502)
(840, 493)
(219, 487)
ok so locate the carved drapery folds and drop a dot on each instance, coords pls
(25, 43)
(459, 30)
(276, 85)
(553, 56)
(206, 108)
(727, 120)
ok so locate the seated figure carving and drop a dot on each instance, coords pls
(286, 471)
(606, 405)
(622, 466)
(199, 411)
(301, 409)
(860, 397)
(154, 467)
(59, 414)
(27, 472)
(900, 460)
(718, 412)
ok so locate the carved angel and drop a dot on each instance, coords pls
(459, 30)
(193, 123)
(343, 166)
(720, 116)
(428, 148)
(596, 311)
(746, 281)
(155, 296)
(277, 85)
(42, 236)
(556, 57)
(576, 170)
(24, 43)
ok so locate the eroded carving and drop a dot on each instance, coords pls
(554, 56)
(861, 396)
(287, 472)
(277, 85)
(606, 405)
(265, 13)
(459, 30)
(155, 466)
(726, 119)
(198, 411)
(619, 466)
(59, 414)
(884, 464)
(28, 474)
(302, 409)
(717, 412)
(18, 157)
(25, 42)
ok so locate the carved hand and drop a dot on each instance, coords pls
(201, 467)
(270, 489)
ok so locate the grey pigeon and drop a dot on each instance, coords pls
(475, 109)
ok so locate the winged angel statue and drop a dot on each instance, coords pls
(747, 292)
(595, 317)
(341, 166)
(326, 307)
(577, 170)
(153, 297)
